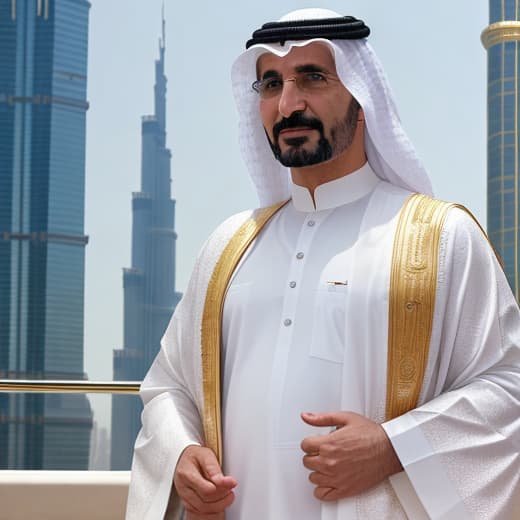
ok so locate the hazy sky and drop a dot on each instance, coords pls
(431, 52)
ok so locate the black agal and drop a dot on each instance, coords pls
(341, 28)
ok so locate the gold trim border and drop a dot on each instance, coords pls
(500, 32)
(69, 387)
(413, 285)
(211, 327)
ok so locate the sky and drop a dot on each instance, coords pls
(432, 55)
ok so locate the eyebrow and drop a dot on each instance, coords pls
(271, 73)
(309, 67)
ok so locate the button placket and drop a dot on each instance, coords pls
(307, 232)
(288, 320)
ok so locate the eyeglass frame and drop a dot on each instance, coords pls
(257, 84)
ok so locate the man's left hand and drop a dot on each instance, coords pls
(354, 457)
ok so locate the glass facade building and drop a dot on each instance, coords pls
(502, 41)
(149, 284)
(43, 74)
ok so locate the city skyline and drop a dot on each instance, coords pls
(43, 75)
(438, 80)
(149, 284)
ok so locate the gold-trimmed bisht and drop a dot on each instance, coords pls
(212, 321)
(413, 285)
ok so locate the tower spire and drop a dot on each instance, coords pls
(160, 78)
(163, 43)
(149, 284)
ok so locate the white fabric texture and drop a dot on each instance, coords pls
(284, 345)
(389, 151)
(335, 193)
(462, 446)
(468, 421)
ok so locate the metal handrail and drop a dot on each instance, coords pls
(69, 387)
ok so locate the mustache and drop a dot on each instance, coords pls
(295, 120)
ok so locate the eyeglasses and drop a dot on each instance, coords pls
(307, 82)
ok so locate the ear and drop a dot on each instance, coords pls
(361, 115)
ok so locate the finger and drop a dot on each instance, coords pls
(196, 497)
(314, 463)
(198, 505)
(211, 471)
(321, 480)
(224, 482)
(186, 502)
(311, 445)
(191, 475)
(212, 495)
(192, 513)
(337, 419)
(326, 494)
(311, 462)
(209, 465)
(195, 480)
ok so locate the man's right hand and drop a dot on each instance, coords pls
(203, 489)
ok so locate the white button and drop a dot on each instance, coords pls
(311, 223)
(287, 322)
(300, 255)
(292, 285)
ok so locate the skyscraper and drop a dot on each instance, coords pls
(149, 285)
(43, 75)
(501, 39)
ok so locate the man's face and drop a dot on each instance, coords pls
(310, 120)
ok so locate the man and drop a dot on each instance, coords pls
(311, 337)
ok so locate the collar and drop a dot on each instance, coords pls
(338, 192)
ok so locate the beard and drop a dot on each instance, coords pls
(341, 137)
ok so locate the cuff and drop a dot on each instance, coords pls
(426, 476)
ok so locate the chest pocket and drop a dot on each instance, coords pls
(328, 330)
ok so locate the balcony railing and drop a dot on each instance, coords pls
(69, 387)
(62, 495)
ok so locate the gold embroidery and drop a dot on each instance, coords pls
(212, 322)
(413, 283)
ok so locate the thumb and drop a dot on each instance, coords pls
(209, 465)
(326, 419)
(213, 472)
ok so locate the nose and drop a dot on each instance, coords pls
(291, 99)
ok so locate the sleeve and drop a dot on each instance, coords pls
(460, 449)
(172, 394)
(170, 422)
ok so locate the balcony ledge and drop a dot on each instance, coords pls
(62, 495)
